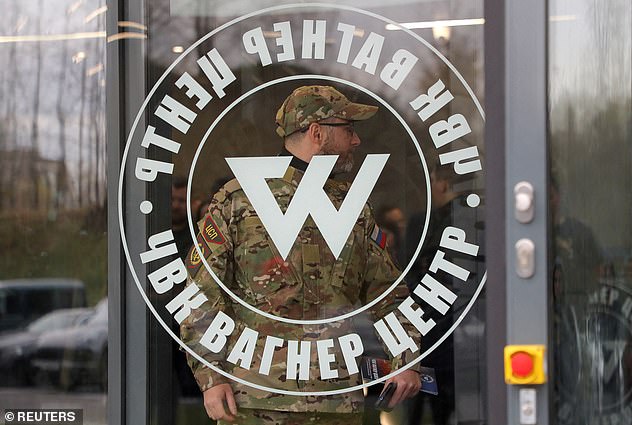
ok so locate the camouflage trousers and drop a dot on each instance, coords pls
(273, 417)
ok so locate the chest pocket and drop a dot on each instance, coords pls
(347, 275)
(253, 237)
(264, 277)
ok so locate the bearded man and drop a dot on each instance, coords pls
(308, 283)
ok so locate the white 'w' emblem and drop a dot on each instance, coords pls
(309, 199)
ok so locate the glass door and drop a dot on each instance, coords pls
(566, 108)
(236, 229)
(199, 93)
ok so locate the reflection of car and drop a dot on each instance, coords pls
(76, 355)
(16, 347)
(24, 300)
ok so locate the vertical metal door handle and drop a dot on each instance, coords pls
(525, 258)
(524, 202)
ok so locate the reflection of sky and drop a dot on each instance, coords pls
(178, 23)
(239, 7)
(590, 86)
(65, 90)
(590, 56)
(71, 84)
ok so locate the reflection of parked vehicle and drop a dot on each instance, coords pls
(16, 347)
(76, 355)
(24, 300)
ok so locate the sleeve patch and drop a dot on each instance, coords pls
(211, 233)
(194, 260)
(378, 237)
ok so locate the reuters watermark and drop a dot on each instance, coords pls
(43, 416)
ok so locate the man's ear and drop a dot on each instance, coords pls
(316, 136)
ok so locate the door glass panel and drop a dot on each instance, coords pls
(53, 229)
(590, 79)
(293, 265)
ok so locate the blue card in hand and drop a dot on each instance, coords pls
(429, 381)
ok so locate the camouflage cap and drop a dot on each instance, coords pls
(310, 104)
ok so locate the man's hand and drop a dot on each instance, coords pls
(408, 385)
(216, 399)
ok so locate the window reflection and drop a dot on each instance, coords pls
(590, 108)
(52, 202)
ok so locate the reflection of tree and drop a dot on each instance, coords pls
(52, 135)
(36, 108)
(61, 119)
(10, 117)
(591, 150)
(611, 34)
(44, 230)
(97, 129)
(80, 142)
(591, 105)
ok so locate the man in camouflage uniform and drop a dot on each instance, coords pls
(309, 284)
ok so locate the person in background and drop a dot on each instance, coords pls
(445, 201)
(392, 221)
(179, 226)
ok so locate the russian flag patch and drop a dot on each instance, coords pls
(378, 237)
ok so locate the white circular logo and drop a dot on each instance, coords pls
(189, 108)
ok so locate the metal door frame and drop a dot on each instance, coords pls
(516, 150)
(128, 334)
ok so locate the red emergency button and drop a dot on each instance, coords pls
(525, 364)
(521, 364)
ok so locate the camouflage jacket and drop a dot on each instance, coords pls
(309, 284)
